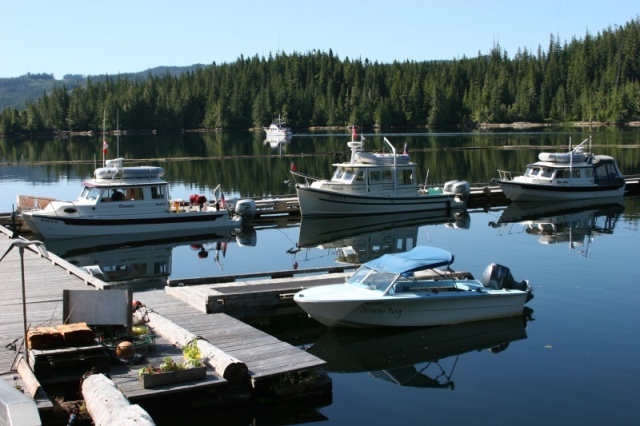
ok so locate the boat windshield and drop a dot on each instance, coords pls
(345, 175)
(90, 193)
(371, 279)
(532, 171)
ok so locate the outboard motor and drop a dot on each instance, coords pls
(246, 208)
(499, 277)
(461, 188)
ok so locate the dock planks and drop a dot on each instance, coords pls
(45, 280)
(264, 355)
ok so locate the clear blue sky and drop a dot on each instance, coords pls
(98, 37)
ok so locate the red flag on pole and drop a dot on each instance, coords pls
(105, 146)
(353, 133)
(293, 167)
(223, 202)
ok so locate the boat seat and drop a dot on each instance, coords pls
(403, 288)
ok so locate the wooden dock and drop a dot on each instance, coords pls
(259, 296)
(265, 356)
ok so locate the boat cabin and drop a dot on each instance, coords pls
(601, 170)
(124, 193)
(373, 179)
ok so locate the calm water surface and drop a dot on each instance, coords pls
(574, 361)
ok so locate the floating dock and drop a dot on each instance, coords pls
(263, 358)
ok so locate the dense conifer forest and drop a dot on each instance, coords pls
(594, 78)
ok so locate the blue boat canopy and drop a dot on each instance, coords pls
(421, 257)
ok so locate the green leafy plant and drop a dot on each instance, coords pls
(192, 359)
(192, 354)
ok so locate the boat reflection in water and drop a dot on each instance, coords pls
(277, 142)
(142, 263)
(575, 223)
(413, 356)
(358, 240)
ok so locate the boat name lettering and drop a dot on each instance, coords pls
(125, 206)
(384, 309)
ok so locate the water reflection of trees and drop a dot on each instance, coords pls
(243, 164)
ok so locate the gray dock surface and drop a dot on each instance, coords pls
(45, 280)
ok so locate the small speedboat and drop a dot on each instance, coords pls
(572, 175)
(415, 289)
(375, 183)
(131, 200)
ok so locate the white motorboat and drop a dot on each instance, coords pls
(132, 200)
(375, 183)
(411, 290)
(572, 175)
(278, 130)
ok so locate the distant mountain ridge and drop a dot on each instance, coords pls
(15, 92)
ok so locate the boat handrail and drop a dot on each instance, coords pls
(65, 203)
(395, 164)
(304, 177)
(508, 175)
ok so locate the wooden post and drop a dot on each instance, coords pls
(232, 369)
(31, 383)
(107, 406)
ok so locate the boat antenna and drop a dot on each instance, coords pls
(104, 135)
(117, 133)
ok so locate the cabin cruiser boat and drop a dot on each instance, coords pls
(278, 130)
(126, 200)
(576, 174)
(411, 289)
(375, 183)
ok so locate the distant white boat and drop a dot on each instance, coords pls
(410, 290)
(278, 130)
(572, 175)
(375, 183)
(131, 200)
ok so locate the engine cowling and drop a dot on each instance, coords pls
(499, 277)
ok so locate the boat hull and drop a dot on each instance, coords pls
(316, 202)
(518, 191)
(415, 310)
(193, 223)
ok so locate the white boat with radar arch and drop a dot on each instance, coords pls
(132, 200)
(563, 176)
(375, 183)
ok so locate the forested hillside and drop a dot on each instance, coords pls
(596, 77)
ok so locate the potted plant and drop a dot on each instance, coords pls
(170, 371)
